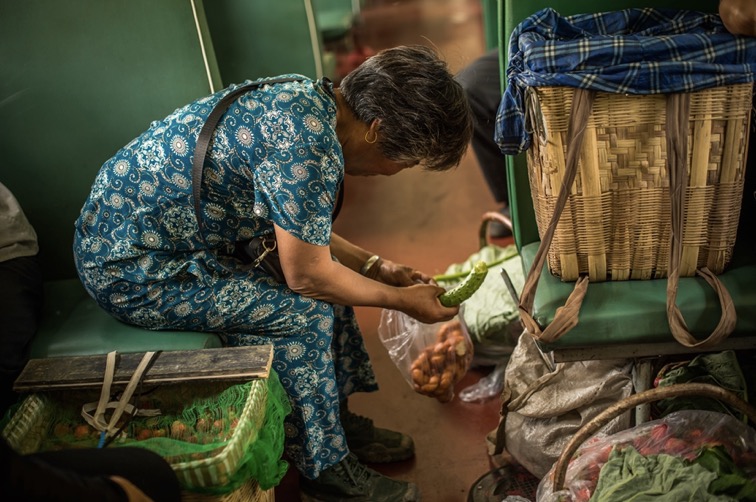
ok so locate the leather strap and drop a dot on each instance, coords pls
(206, 135)
(566, 317)
(678, 111)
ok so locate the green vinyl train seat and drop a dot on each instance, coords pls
(80, 79)
(627, 317)
(335, 17)
(254, 39)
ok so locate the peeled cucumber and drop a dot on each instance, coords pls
(467, 287)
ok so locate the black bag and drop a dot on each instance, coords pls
(260, 251)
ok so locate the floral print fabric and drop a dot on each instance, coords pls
(274, 158)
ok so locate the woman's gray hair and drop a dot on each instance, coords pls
(423, 111)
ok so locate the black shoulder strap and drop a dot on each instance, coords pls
(206, 134)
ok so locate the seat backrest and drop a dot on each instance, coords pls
(254, 39)
(512, 13)
(80, 79)
(335, 17)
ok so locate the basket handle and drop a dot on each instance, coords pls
(485, 219)
(678, 106)
(566, 317)
(630, 402)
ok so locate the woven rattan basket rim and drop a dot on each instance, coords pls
(616, 222)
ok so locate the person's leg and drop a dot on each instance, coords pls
(144, 468)
(20, 306)
(249, 309)
(354, 373)
(483, 87)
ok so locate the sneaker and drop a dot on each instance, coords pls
(371, 444)
(350, 481)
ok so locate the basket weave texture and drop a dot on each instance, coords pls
(616, 224)
(32, 429)
(250, 491)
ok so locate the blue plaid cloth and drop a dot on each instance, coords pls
(632, 51)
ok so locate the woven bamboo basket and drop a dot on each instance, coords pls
(30, 430)
(248, 492)
(616, 223)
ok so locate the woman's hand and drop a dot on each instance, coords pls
(421, 302)
(395, 274)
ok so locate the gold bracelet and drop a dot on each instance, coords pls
(369, 263)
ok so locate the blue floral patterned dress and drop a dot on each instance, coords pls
(274, 157)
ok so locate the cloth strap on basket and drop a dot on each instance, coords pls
(98, 419)
(566, 317)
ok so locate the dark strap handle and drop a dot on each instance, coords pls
(206, 135)
(678, 111)
(566, 317)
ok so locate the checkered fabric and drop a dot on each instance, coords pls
(631, 51)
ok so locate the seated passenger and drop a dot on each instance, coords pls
(275, 166)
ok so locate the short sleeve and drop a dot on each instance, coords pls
(302, 167)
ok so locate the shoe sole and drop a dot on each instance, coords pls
(411, 495)
(379, 454)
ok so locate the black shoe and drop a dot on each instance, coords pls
(371, 444)
(350, 481)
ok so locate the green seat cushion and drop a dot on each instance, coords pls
(628, 312)
(73, 324)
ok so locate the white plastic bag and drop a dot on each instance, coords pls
(431, 357)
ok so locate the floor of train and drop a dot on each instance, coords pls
(428, 220)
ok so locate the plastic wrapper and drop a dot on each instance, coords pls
(688, 455)
(431, 357)
(487, 387)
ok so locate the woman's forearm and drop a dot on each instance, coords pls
(349, 254)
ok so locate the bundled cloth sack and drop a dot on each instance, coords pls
(545, 404)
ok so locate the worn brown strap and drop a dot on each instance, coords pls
(566, 317)
(678, 109)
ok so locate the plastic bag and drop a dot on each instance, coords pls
(431, 357)
(687, 450)
(488, 386)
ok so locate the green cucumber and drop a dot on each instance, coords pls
(466, 288)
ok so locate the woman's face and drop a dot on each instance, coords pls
(371, 162)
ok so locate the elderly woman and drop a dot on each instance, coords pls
(275, 166)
